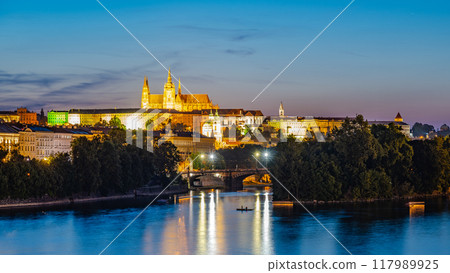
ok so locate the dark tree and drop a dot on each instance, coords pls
(109, 169)
(396, 159)
(86, 165)
(420, 130)
(166, 159)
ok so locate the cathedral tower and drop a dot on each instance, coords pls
(169, 93)
(145, 94)
(281, 111)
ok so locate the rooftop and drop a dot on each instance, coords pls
(6, 128)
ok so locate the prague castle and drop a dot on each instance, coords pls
(196, 112)
(172, 100)
(171, 105)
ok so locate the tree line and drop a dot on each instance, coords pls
(99, 167)
(359, 161)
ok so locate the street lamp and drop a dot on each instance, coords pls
(266, 156)
(256, 160)
(211, 157)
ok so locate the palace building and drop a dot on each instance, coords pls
(172, 100)
(186, 112)
(305, 127)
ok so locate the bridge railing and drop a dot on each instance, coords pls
(226, 171)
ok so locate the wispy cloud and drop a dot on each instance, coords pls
(242, 37)
(53, 91)
(233, 34)
(38, 80)
(240, 52)
(212, 29)
(93, 82)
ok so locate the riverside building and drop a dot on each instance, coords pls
(38, 142)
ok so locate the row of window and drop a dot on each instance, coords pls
(41, 151)
(6, 140)
(27, 148)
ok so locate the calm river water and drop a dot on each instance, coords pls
(208, 223)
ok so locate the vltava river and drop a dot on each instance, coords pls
(208, 223)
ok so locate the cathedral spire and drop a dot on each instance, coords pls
(145, 82)
(281, 111)
(179, 86)
(169, 77)
(169, 84)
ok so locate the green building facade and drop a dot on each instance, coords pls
(57, 117)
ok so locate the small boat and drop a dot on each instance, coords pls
(243, 209)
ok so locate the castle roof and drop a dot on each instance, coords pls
(253, 113)
(59, 130)
(103, 111)
(129, 111)
(387, 122)
(195, 98)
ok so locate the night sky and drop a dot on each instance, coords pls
(378, 58)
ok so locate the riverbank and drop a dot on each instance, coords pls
(359, 201)
(48, 203)
(147, 196)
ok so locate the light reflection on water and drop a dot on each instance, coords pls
(208, 223)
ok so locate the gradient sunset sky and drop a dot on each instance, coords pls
(379, 57)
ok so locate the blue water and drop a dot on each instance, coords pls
(208, 223)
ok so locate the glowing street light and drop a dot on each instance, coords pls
(266, 156)
(202, 156)
(256, 160)
(211, 156)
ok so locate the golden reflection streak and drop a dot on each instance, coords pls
(191, 211)
(212, 248)
(201, 230)
(267, 240)
(191, 217)
(257, 227)
(221, 241)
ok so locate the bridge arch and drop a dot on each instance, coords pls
(233, 178)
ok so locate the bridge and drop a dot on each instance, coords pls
(232, 177)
